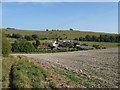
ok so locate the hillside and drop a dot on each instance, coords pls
(53, 34)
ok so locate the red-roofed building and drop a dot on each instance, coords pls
(42, 47)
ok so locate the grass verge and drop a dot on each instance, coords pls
(6, 66)
(27, 75)
(19, 72)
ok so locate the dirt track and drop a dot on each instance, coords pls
(102, 65)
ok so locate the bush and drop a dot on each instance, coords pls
(22, 46)
(35, 37)
(99, 47)
(6, 47)
(84, 44)
(29, 38)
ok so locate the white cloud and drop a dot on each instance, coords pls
(60, 0)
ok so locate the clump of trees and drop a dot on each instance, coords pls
(47, 30)
(31, 37)
(14, 36)
(36, 44)
(9, 28)
(27, 37)
(22, 46)
(71, 29)
(101, 38)
(6, 47)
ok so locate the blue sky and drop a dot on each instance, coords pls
(84, 16)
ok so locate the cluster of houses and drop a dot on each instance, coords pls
(56, 45)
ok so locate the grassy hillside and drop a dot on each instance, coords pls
(53, 34)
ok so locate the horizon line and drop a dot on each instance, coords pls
(62, 30)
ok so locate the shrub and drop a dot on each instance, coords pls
(84, 44)
(35, 37)
(99, 47)
(29, 38)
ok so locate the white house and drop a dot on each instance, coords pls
(55, 44)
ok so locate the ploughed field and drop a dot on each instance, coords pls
(99, 67)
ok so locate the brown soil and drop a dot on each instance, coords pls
(100, 65)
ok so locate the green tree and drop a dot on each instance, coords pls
(87, 37)
(47, 30)
(16, 36)
(71, 29)
(29, 38)
(37, 42)
(35, 36)
(102, 38)
(15, 47)
(34, 44)
(6, 47)
(80, 38)
(94, 38)
(22, 46)
(76, 39)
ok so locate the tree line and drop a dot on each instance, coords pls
(100, 38)
(27, 37)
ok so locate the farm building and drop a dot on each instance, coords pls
(55, 44)
(42, 47)
(66, 40)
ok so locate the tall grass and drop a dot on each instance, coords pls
(19, 72)
(7, 62)
(28, 75)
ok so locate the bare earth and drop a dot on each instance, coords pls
(102, 65)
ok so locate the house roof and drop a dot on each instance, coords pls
(67, 40)
(86, 47)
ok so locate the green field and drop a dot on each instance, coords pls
(54, 34)
(106, 44)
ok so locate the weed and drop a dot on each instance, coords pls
(52, 85)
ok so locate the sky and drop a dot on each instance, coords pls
(60, 0)
(83, 16)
